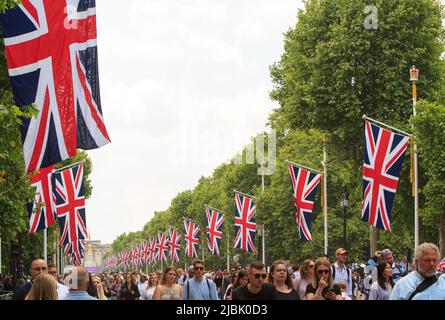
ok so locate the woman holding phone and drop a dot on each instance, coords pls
(322, 286)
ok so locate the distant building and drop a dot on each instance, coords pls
(94, 253)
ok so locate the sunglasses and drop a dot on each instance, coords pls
(280, 270)
(258, 275)
(198, 268)
(322, 271)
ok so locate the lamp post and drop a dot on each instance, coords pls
(344, 203)
(414, 77)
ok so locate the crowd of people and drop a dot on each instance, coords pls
(321, 279)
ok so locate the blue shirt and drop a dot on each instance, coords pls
(199, 290)
(78, 295)
(406, 286)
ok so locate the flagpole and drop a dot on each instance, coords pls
(413, 78)
(45, 244)
(228, 253)
(207, 206)
(1, 255)
(68, 166)
(263, 228)
(386, 125)
(325, 197)
(304, 167)
(244, 194)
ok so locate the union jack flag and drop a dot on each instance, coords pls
(191, 237)
(162, 246)
(75, 249)
(51, 51)
(134, 257)
(151, 249)
(245, 226)
(44, 217)
(441, 265)
(174, 244)
(215, 222)
(304, 184)
(69, 198)
(144, 252)
(384, 152)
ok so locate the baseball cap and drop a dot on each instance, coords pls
(341, 251)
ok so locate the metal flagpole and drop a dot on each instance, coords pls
(263, 228)
(45, 244)
(388, 126)
(69, 166)
(1, 255)
(304, 167)
(325, 197)
(414, 76)
(228, 253)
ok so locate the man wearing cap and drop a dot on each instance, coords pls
(341, 272)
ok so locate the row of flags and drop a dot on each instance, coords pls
(51, 51)
(384, 153)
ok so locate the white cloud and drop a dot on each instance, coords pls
(184, 85)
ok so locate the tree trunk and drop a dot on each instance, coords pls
(442, 230)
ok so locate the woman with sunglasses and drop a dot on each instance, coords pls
(168, 289)
(280, 277)
(306, 276)
(322, 286)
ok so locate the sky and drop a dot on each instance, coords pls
(184, 86)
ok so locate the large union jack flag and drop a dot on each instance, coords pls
(441, 265)
(384, 152)
(69, 199)
(162, 246)
(41, 213)
(304, 185)
(215, 222)
(75, 249)
(51, 51)
(245, 226)
(191, 238)
(174, 244)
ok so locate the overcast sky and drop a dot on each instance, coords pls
(184, 85)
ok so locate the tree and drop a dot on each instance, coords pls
(429, 129)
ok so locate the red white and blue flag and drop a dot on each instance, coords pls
(69, 199)
(51, 50)
(144, 252)
(41, 213)
(191, 238)
(151, 249)
(215, 222)
(174, 244)
(75, 249)
(304, 185)
(441, 265)
(245, 226)
(162, 246)
(384, 153)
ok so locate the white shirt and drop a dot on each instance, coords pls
(342, 274)
(142, 287)
(148, 294)
(62, 291)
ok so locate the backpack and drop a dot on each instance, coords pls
(188, 288)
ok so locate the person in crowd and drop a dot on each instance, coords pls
(168, 289)
(92, 290)
(256, 289)
(341, 272)
(386, 255)
(357, 283)
(424, 283)
(117, 287)
(182, 277)
(106, 287)
(228, 278)
(142, 285)
(218, 279)
(97, 282)
(343, 286)
(295, 271)
(152, 283)
(78, 282)
(62, 290)
(381, 289)
(37, 266)
(282, 280)
(43, 288)
(240, 278)
(199, 288)
(110, 285)
(306, 276)
(323, 287)
(129, 290)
